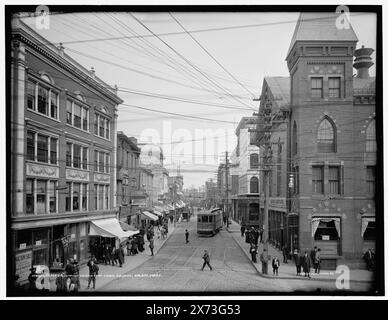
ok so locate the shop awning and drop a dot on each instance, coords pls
(127, 227)
(109, 228)
(158, 213)
(149, 215)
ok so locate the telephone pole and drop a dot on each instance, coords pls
(227, 187)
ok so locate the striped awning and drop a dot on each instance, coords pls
(149, 215)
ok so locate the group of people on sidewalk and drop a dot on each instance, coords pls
(306, 261)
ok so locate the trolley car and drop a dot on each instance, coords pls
(209, 222)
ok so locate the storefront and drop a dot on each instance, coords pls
(326, 233)
(147, 219)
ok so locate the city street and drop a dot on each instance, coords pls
(177, 268)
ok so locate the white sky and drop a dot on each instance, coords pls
(248, 54)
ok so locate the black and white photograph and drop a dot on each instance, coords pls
(193, 150)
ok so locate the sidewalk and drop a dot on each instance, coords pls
(108, 273)
(288, 270)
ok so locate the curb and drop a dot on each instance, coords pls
(287, 277)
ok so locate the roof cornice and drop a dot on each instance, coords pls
(34, 41)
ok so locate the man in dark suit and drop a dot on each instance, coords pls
(206, 260)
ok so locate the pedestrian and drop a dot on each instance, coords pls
(129, 247)
(32, 279)
(312, 255)
(107, 252)
(253, 252)
(113, 256)
(134, 246)
(76, 275)
(206, 260)
(369, 259)
(275, 266)
(120, 255)
(187, 236)
(93, 272)
(140, 242)
(261, 235)
(256, 236)
(306, 264)
(298, 261)
(318, 261)
(264, 258)
(242, 230)
(152, 246)
(284, 250)
(60, 282)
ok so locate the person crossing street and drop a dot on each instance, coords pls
(206, 260)
(187, 236)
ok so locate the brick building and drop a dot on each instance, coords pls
(332, 139)
(63, 152)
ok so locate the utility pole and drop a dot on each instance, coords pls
(227, 187)
(267, 168)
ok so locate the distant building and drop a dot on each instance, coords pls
(245, 174)
(128, 174)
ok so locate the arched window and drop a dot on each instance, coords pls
(294, 139)
(326, 136)
(371, 137)
(254, 185)
(254, 160)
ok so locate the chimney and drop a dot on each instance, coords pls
(61, 49)
(363, 62)
(92, 72)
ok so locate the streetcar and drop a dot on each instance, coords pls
(209, 222)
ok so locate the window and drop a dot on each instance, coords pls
(68, 154)
(370, 231)
(100, 197)
(68, 196)
(294, 139)
(370, 179)
(43, 100)
(318, 179)
(52, 196)
(326, 231)
(54, 105)
(334, 180)
(76, 196)
(30, 145)
(371, 137)
(42, 154)
(30, 196)
(334, 87)
(210, 218)
(53, 150)
(326, 137)
(85, 119)
(41, 196)
(102, 126)
(77, 116)
(96, 196)
(31, 93)
(107, 131)
(76, 156)
(69, 112)
(254, 161)
(101, 161)
(84, 158)
(106, 206)
(254, 185)
(317, 87)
